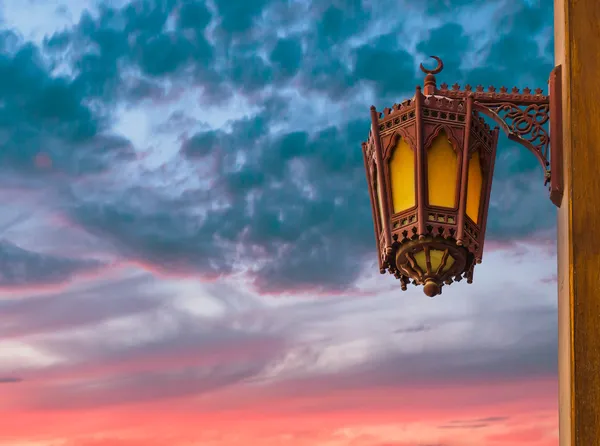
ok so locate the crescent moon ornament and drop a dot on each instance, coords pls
(437, 69)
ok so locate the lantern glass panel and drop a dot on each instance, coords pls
(474, 187)
(435, 258)
(402, 177)
(421, 260)
(379, 194)
(442, 172)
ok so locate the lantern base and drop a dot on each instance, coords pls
(432, 288)
(430, 262)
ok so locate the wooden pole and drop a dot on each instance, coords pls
(577, 49)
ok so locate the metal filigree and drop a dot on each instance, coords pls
(523, 125)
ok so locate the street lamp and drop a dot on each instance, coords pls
(429, 163)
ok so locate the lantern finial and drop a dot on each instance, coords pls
(429, 84)
(431, 288)
(437, 69)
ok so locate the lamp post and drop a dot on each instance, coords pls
(430, 162)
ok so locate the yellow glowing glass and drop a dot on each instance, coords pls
(402, 177)
(421, 260)
(435, 258)
(442, 172)
(380, 202)
(474, 186)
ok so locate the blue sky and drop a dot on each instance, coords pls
(186, 223)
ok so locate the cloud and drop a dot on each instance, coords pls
(254, 347)
(104, 362)
(381, 63)
(473, 424)
(104, 50)
(79, 307)
(413, 329)
(289, 209)
(534, 356)
(20, 267)
(238, 16)
(286, 56)
(287, 205)
(271, 194)
(9, 380)
(43, 114)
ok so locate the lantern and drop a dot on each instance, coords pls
(429, 163)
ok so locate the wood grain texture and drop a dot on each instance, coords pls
(577, 48)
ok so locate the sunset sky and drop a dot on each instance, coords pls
(187, 254)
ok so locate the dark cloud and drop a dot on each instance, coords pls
(238, 16)
(9, 380)
(520, 206)
(20, 267)
(413, 329)
(168, 235)
(329, 66)
(327, 75)
(179, 121)
(389, 69)
(529, 64)
(202, 144)
(514, 57)
(288, 204)
(193, 15)
(42, 114)
(490, 419)
(436, 7)
(472, 424)
(286, 56)
(446, 36)
(338, 20)
(519, 202)
(103, 50)
(249, 72)
(298, 238)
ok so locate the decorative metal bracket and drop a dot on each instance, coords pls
(522, 116)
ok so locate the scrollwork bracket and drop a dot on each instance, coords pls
(523, 117)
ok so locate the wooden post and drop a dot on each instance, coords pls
(577, 49)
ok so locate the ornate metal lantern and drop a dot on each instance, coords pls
(429, 164)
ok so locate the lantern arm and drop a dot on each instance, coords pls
(525, 117)
(525, 127)
(522, 125)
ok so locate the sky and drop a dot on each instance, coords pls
(187, 253)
